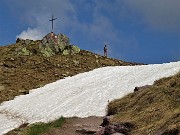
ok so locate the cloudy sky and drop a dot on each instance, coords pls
(146, 31)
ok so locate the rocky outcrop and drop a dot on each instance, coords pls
(141, 88)
(50, 45)
(53, 44)
(115, 128)
(105, 128)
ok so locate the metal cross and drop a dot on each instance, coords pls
(52, 21)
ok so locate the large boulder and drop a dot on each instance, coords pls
(23, 51)
(46, 51)
(57, 44)
(75, 49)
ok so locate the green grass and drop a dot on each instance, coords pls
(38, 129)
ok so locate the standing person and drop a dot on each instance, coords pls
(105, 51)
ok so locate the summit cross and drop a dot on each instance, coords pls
(52, 21)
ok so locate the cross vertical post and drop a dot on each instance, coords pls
(52, 21)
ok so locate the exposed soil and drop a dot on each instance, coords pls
(72, 126)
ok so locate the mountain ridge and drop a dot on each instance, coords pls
(23, 67)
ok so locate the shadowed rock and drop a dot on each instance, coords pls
(141, 88)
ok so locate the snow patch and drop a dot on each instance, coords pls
(82, 95)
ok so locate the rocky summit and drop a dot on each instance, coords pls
(29, 64)
(50, 45)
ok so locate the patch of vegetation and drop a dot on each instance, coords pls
(153, 110)
(37, 128)
(40, 128)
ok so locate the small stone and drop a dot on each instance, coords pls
(76, 62)
(96, 56)
(67, 72)
(65, 52)
(97, 61)
(27, 42)
(12, 59)
(23, 91)
(78, 125)
(87, 130)
(117, 134)
(64, 75)
(2, 88)
(75, 49)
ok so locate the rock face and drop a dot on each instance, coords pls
(114, 129)
(54, 44)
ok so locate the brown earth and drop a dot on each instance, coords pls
(73, 125)
(19, 74)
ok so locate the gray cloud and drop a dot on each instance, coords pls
(161, 15)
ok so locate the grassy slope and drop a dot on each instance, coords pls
(19, 74)
(154, 110)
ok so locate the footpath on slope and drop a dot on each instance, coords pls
(75, 126)
(72, 126)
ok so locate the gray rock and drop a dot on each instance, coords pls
(27, 42)
(96, 56)
(100, 131)
(78, 126)
(2, 88)
(75, 49)
(76, 62)
(12, 59)
(59, 44)
(117, 134)
(1, 63)
(141, 88)
(23, 91)
(87, 130)
(67, 72)
(65, 75)
(66, 52)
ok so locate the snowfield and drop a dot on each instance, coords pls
(82, 95)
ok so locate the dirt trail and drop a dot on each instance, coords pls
(73, 124)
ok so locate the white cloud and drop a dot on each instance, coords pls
(33, 34)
